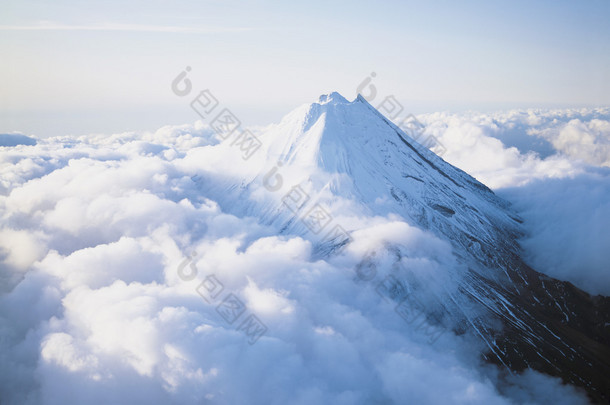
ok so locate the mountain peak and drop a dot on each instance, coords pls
(332, 98)
(338, 135)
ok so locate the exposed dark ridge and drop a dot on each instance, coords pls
(446, 211)
(432, 165)
(406, 176)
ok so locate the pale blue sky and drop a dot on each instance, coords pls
(73, 67)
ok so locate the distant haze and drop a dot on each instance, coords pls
(107, 66)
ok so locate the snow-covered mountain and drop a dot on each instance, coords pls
(342, 160)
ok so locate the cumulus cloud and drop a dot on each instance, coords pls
(93, 232)
(588, 141)
(512, 148)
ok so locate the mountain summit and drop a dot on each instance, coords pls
(353, 150)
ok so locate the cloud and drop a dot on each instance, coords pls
(513, 148)
(19, 250)
(588, 141)
(567, 222)
(94, 230)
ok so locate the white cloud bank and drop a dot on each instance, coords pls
(513, 148)
(568, 221)
(93, 309)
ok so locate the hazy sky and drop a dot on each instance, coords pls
(73, 67)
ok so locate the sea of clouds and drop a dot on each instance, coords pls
(96, 305)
